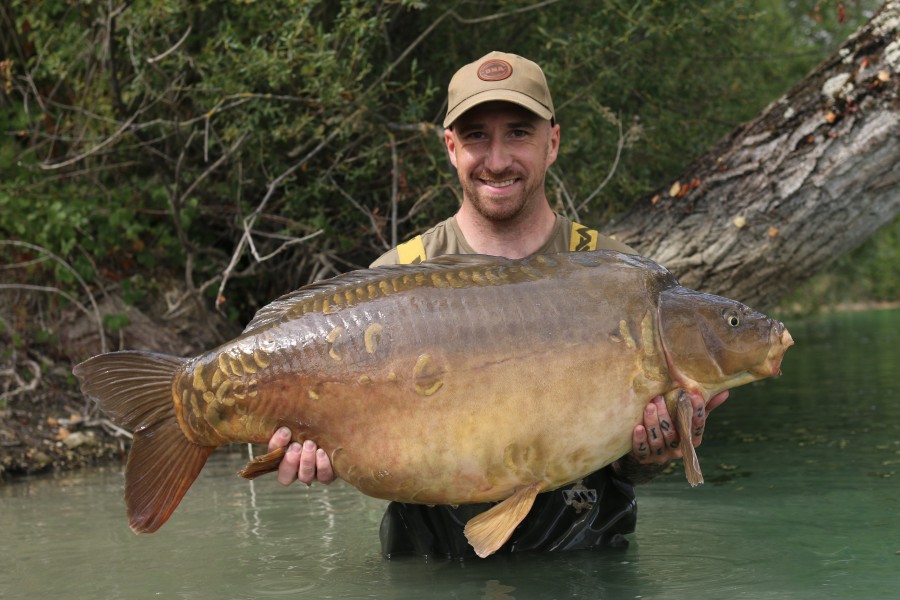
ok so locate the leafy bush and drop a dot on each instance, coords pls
(251, 147)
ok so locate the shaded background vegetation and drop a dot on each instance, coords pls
(221, 153)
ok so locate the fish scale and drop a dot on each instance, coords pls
(462, 379)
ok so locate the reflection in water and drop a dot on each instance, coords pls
(801, 501)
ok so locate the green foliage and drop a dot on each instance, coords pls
(154, 139)
(115, 322)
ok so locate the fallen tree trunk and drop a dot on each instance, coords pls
(781, 197)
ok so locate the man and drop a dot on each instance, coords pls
(501, 136)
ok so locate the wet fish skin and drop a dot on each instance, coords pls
(463, 379)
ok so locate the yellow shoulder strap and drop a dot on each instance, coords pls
(411, 252)
(582, 238)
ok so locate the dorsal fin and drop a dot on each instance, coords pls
(286, 307)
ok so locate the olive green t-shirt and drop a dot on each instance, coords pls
(447, 238)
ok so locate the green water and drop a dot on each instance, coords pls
(802, 500)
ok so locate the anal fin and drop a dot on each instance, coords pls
(684, 411)
(490, 530)
(267, 463)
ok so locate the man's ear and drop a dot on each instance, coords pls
(553, 144)
(450, 142)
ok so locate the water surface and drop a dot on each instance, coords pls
(802, 500)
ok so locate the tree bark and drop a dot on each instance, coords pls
(781, 197)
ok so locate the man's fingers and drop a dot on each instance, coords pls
(666, 425)
(716, 400)
(639, 445)
(656, 432)
(324, 471)
(287, 469)
(307, 469)
(280, 438)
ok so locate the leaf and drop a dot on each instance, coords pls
(676, 187)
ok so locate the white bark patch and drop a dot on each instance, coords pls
(892, 55)
(833, 86)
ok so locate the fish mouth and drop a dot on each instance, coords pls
(781, 341)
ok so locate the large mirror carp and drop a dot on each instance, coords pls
(462, 379)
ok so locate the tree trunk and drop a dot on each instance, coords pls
(781, 197)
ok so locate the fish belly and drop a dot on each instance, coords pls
(445, 394)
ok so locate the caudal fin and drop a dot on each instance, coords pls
(135, 390)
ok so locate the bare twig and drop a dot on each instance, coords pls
(96, 310)
(270, 191)
(373, 221)
(395, 185)
(118, 133)
(160, 57)
(111, 427)
(49, 290)
(22, 386)
(620, 144)
(497, 16)
(564, 193)
(291, 241)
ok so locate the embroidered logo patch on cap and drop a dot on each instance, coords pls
(494, 70)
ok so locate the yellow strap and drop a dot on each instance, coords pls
(411, 252)
(582, 238)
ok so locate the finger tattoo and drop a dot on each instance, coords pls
(664, 425)
(653, 432)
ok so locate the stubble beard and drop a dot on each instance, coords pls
(506, 211)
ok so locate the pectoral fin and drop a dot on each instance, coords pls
(267, 463)
(684, 411)
(490, 530)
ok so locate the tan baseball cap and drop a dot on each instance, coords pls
(499, 76)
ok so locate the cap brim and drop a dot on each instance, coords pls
(512, 96)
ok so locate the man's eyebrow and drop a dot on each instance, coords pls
(529, 124)
(523, 124)
(466, 127)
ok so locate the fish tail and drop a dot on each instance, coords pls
(135, 390)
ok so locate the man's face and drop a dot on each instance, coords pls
(501, 152)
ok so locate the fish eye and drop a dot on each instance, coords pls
(733, 319)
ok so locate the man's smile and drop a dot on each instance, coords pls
(498, 184)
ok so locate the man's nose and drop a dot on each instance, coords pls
(499, 158)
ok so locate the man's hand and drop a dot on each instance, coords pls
(655, 441)
(305, 462)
